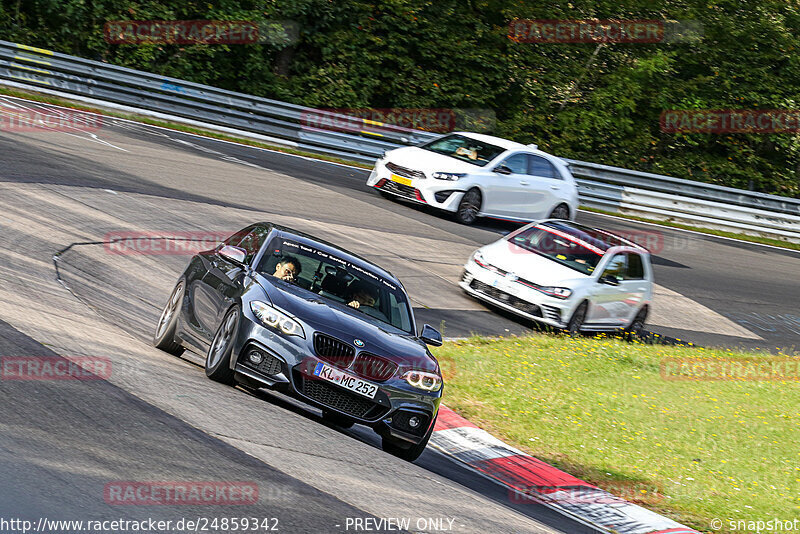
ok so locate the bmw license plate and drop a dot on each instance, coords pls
(401, 180)
(356, 385)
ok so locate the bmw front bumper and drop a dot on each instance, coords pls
(287, 365)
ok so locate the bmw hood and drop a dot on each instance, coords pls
(347, 324)
(427, 161)
(528, 265)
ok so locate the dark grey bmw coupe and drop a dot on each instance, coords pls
(276, 308)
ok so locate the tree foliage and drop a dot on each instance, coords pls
(575, 100)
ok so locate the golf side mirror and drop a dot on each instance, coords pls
(609, 279)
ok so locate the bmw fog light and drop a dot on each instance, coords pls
(413, 422)
(255, 357)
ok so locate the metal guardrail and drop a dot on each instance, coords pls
(600, 186)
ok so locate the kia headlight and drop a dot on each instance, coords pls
(423, 380)
(451, 176)
(276, 320)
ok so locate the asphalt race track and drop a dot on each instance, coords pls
(158, 418)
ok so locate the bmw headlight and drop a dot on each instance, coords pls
(557, 292)
(423, 380)
(452, 176)
(276, 320)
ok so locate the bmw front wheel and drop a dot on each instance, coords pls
(218, 359)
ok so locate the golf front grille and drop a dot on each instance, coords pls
(341, 400)
(505, 298)
(334, 351)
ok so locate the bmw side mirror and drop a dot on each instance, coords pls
(234, 254)
(431, 336)
(502, 169)
(609, 279)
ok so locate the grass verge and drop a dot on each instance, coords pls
(600, 410)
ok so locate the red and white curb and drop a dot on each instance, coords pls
(531, 480)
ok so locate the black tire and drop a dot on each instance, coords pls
(576, 321)
(337, 419)
(218, 358)
(636, 330)
(469, 207)
(560, 212)
(164, 337)
(405, 452)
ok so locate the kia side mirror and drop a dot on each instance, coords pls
(502, 169)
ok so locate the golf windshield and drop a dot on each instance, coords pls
(465, 149)
(562, 245)
(338, 280)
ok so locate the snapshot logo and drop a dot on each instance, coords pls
(725, 121)
(377, 120)
(162, 243)
(201, 32)
(551, 31)
(55, 368)
(15, 119)
(180, 493)
(716, 369)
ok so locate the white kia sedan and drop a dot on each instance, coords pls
(565, 275)
(475, 175)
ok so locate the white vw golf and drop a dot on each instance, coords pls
(476, 175)
(565, 275)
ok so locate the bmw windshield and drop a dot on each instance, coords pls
(337, 280)
(465, 148)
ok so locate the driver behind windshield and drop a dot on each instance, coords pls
(288, 269)
(361, 294)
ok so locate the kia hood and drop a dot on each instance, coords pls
(424, 160)
(529, 265)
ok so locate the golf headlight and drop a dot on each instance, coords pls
(557, 292)
(477, 257)
(275, 319)
(423, 380)
(452, 176)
